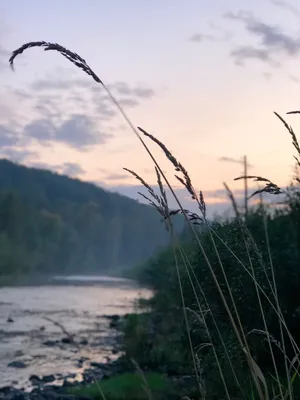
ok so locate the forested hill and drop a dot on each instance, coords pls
(50, 223)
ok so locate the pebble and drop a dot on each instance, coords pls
(66, 340)
(16, 364)
(50, 343)
(48, 378)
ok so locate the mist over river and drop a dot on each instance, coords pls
(31, 344)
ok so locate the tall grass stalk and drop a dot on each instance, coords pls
(244, 230)
(190, 271)
(282, 338)
(186, 181)
(161, 205)
(270, 188)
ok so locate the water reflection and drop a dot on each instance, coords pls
(79, 307)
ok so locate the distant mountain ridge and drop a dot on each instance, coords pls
(61, 224)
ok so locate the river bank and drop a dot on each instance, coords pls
(55, 335)
(118, 369)
(71, 386)
(78, 386)
(57, 385)
(56, 340)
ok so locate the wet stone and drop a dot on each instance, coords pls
(50, 343)
(16, 364)
(48, 378)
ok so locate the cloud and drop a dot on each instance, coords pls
(66, 109)
(53, 84)
(267, 75)
(86, 96)
(151, 171)
(42, 130)
(126, 95)
(78, 131)
(7, 137)
(4, 55)
(274, 44)
(200, 37)
(286, 6)
(231, 160)
(117, 177)
(119, 88)
(128, 102)
(249, 52)
(103, 107)
(113, 177)
(18, 155)
(41, 165)
(21, 94)
(72, 169)
(47, 105)
(141, 91)
(48, 109)
(234, 160)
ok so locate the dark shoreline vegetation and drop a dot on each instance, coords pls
(224, 320)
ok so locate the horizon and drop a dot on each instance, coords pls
(205, 84)
(133, 193)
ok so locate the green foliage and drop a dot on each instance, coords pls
(158, 338)
(128, 386)
(53, 224)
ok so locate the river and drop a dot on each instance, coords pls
(80, 305)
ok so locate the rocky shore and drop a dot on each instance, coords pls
(53, 387)
(57, 386)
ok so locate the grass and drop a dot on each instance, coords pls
(265, 383)
(128, 386)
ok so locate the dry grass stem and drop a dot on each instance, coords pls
(270, 187)
(160, 203)
(292, 133)
(185, 181)
(69, 55)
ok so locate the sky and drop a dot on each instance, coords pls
(203, 77)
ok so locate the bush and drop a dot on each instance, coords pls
(158, 340)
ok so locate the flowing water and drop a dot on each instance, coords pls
(32, 320)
